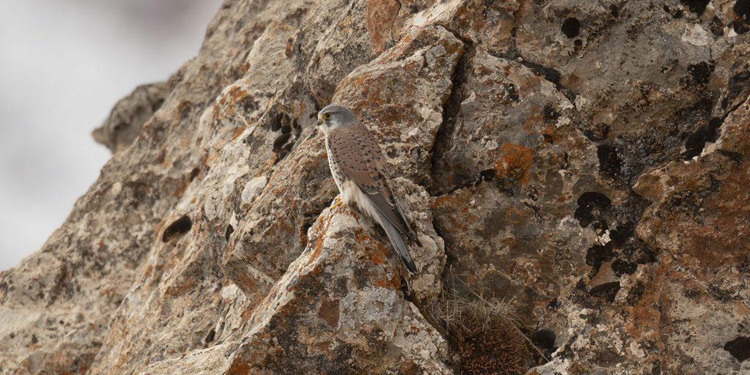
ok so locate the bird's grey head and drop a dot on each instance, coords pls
(335, 116)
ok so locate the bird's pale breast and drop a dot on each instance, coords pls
(338, 175)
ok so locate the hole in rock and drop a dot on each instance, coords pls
(742, 10)
(276, 122)
(705, 134)
(622, 267)
(571, 27)
(550, 74)
(590, 205)
(696, 6)
(737, 85)
(622, 233)
(701, 72)
(249, 104)
(487, 175)
(544, 339)
(194, 173)
(280, 141)
(739, 348)
(607, 291)
(210, 336)
(614, 10)
(553, 305)
(286, 125)
(598, 254)
(178, 227)
(550, 113)
(228, 232)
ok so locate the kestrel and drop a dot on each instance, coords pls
(360, 171)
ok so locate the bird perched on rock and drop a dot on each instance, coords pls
(360, 171)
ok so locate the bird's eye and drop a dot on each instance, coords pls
(326, 116)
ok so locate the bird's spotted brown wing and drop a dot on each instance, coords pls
(359, 157)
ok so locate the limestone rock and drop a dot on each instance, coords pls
(340, 309)
(578, 167)
(128, 116)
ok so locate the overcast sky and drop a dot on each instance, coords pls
(63, 65)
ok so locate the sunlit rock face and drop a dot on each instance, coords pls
(583, 165)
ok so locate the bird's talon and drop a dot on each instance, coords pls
(337, 202)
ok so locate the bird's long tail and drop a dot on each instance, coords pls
(398, 243)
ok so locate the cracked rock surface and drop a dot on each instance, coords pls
(582, 164)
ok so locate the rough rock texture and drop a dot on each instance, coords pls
(583, 164)
(129, 115)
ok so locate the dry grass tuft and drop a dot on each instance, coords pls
(484, 334)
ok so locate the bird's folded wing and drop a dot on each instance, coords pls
(390, 210)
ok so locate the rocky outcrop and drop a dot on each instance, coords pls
(127, 118)
(576, 172)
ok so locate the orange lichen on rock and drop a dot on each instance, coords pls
(645, 315)
(329, 311)
(375, 252)
(237, 132)
(393, 282)
(380, 17)
(321, 228)
(514, 163)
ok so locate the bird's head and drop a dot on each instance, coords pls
(335, 116)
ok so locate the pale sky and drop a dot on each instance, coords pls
(63, 65)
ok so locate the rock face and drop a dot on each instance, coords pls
(577, 168)
(127, 118)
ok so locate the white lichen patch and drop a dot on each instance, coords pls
(696, 35)
(253, 188)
